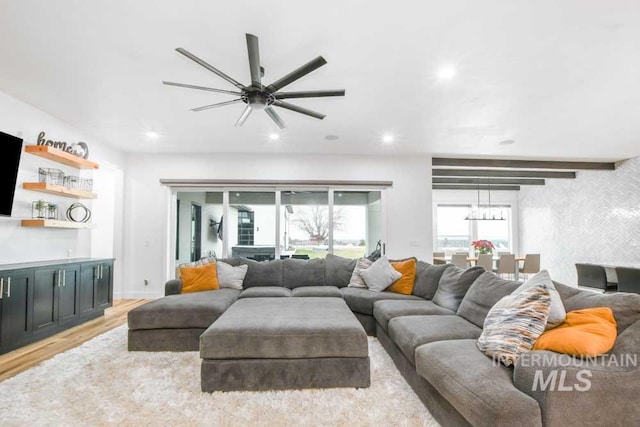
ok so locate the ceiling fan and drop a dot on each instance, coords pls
(256, 96)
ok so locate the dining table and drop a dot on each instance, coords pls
(474, 259)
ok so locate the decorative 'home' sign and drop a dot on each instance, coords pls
(79, 149)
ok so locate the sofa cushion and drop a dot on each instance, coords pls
(356, 281)
(200, 278)
(453, 286)
(361, 300)
(267, 273)
(265, 292)
(427, 279)
(410, 332)
(234, 262)
(195, 310)
(557, 312)
(480, 390)
(386, 310)
(338, 270)
(276, 328)
(316, 291)
(404, 285)
(302, 272)
(514, 324)
(230, 276)
(483, 294)
(626, 307)
(380, 275)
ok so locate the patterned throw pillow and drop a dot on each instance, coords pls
(514, 324)
(356, 280)
(557, 313)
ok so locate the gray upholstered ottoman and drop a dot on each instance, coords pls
(284, 343)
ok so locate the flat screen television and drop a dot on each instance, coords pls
(10, 150)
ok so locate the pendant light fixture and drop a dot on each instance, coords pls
(484, 212)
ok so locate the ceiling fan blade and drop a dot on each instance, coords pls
(211, 68)
(299, 109)
(229, 92)
(219, 104)
(309, 94)
(254, 60)
(296, 74)
(275, 117)
(244, 115)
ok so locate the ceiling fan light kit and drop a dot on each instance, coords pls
(256, 96)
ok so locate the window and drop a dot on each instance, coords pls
(265, 224)
(304, 220)
(357, 225)
(252, 222)
(455, 233)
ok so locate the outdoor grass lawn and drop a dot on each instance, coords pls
(354, 252)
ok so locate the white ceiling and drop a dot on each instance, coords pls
(560, 77)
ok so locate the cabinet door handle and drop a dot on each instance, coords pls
(101, 266)
(59, 276)
(1, 286)
(64, 277)
(8, 287)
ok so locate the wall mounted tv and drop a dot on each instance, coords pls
(10, 150)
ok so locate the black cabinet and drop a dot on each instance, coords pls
(96, 286)
(50, 297)
(16, 294)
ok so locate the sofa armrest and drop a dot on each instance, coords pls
(591, 391)
(173, 287)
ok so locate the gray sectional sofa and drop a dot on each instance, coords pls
(431, 337)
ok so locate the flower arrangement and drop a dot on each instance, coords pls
(483, 246)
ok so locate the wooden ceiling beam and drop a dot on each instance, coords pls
(523, 164)
(502, 173)
(487, 181)
(475, 187)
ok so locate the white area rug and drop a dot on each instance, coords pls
(101, 383)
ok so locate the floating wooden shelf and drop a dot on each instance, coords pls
(60, 156)
(58, 190)
(52, 223)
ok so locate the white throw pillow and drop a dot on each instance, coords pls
(356, 280)
(380, 275)
(557, 313)
(230, 276)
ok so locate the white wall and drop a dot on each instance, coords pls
(408, 203)
(20, 244)
(593, 218)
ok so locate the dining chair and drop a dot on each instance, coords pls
(485, 261)
(460, 260)
(506, 265)
(628, 279)
(594, 276)
(438, 255)
(531, 265)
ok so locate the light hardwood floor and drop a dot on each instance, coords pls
(31, 355)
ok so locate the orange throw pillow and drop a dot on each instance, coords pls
(404, 285)
(201, 278)
(587, 332)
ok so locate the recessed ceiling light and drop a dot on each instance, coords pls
(331, 137)
(274, 136)
(152, 135)
(447, 72)
(387, 138)
(507, 142)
